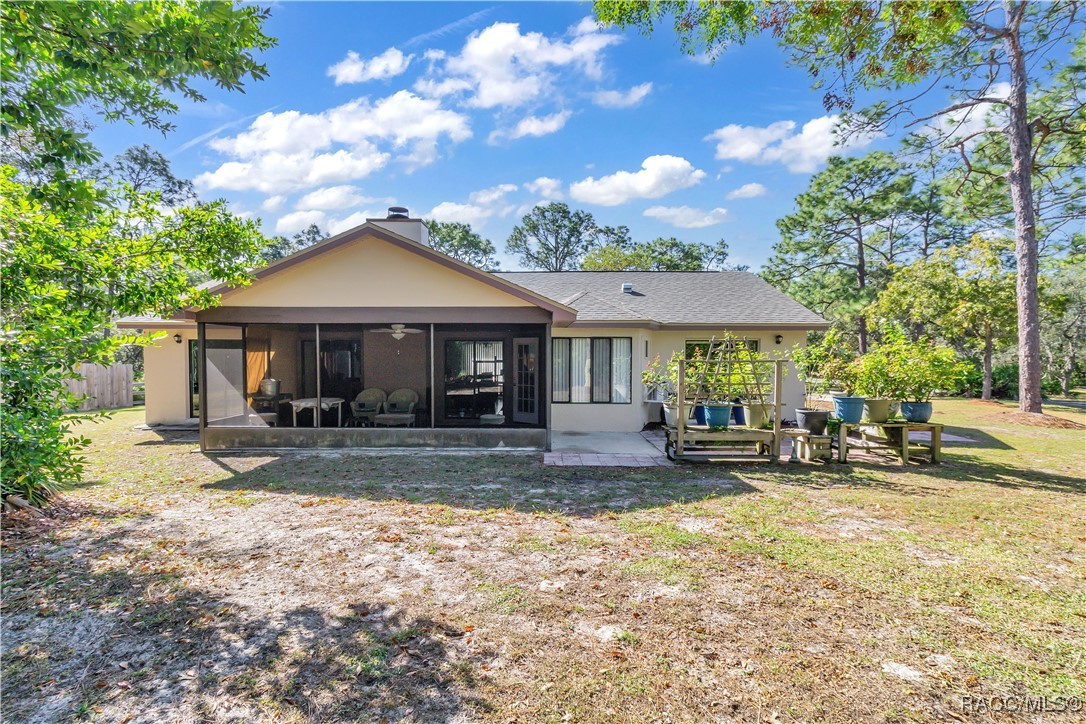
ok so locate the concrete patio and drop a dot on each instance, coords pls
(607, 449)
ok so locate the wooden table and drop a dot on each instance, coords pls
(870, 439)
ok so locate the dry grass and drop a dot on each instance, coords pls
(343, 587)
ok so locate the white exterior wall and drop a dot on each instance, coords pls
(166, 377)
(593, 417)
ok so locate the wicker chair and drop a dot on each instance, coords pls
(399, 409)
(402, 401)
(367, 405)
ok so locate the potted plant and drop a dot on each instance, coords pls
(755, 410)
(872, 378)
(918, 370)
(848, 407)
(660, 382)
(722, 389)
(809, 360)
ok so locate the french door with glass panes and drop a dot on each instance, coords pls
(526, 380)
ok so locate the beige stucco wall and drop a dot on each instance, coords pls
(165, 378)
(370, 272)
(589, 417)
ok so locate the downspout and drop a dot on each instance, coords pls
(201, 375)
(317, 368)
(545, 378)
(433, 388)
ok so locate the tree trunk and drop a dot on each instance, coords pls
(1068, 370)
(1025, 224)
(861, 282)
(986, 390)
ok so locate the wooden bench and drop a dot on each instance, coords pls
(809, 446)
(704, 439)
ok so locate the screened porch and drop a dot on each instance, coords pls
(338, 377)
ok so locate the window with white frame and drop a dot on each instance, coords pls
(592, 369)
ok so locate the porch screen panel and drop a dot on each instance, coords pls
(474, 378)
(601, 369)
(580, 369)
(621, 369)
(224, 348)
(560, 370)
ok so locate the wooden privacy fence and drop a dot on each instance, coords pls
(104, 387)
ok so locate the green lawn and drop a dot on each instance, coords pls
(337, 586)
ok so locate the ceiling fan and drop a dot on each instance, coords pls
(398, 331)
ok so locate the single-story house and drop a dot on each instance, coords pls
(480, 359)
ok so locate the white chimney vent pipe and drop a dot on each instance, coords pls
(627, 288)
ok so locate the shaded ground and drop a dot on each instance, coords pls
(343, 587)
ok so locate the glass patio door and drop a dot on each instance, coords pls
(526, 380)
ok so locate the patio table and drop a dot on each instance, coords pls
(895, 437)
(326, 403)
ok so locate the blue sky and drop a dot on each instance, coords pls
(477, 111)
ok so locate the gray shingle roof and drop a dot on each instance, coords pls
(709, 298)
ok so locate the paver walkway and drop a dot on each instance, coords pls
(617, 460)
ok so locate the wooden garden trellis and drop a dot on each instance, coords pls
(703, 439)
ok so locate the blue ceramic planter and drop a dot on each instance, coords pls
(718, 415)
(849, 410)
(699, 414)
(916, 411)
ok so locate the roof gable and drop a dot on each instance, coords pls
(372, 267)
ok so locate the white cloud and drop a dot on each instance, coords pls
(287, 132)
(332, 198)
(801, 152)
(620, 99)
(339, 225)
(532, 126)
(482, 205)
(441, 88)
(548, 188)
(586, 25)
(295, 221)
(273, 203)
(501, 67)
(747, 191)
(289, 151)
(278, 173)
(493, 195)
(472, 214)
(353, 69)
(659, 176)
(686, 217)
